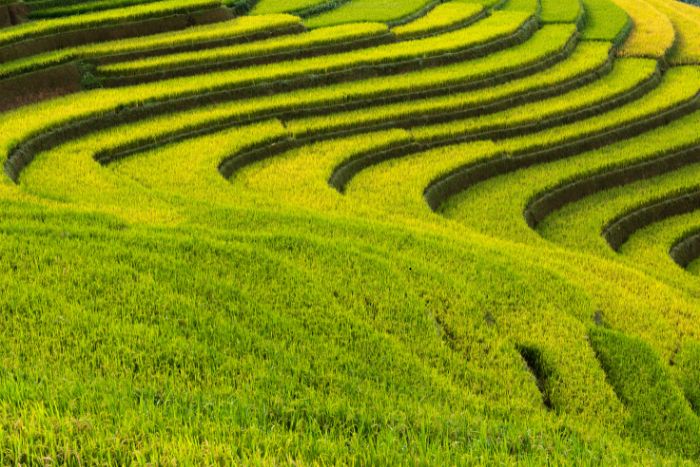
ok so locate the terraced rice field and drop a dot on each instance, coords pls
(349, 232)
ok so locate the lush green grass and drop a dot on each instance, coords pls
(155, 312)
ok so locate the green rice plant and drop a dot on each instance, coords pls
(694, 267)
(491, 29)
(679, 85)
(625, 78)
(652, 35)
(655, 248)
(297, 177)
(280, 174)
(155, 312)
(490, 4)
(318, 38)
(508, 206)
(605, 21)
(198, 36)
(445, 16)
(403, 180)
(266, 7)
(184, 123)
(496, 203)
(469, 206)
(22, 124)
(150, 131)
(555, 11)
(530, 6)
(53, 26)
(643, 384)
(477, 208)
(602, 210)
(254, 343)
(83, 7)
(200, 174)
(686, 372)
(565, 324)
(587, 58)
(686, 22)
(383, 11)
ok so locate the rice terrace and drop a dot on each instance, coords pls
(353, 232)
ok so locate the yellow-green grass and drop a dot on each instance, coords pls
(594, 213)
(242, 181)
(587, 58)
(555, 11)
(266, 7)
(640, 378)
(81, 7)
(18, 126)
(576, 365)
(652, 35)
(663, 97)
(647, 247)
(605, 21)
(108, 143)
(236, 29)
(686, 22)
(444, 16)
(125, 137)
(650, 248)
(679, 85)
(156, 313)
(694, 267)
(384, 11)
(530, 6)
(625, 77)
(336, 35)
(496, 207)
(47, 27)
(186, 250)
(497, 26)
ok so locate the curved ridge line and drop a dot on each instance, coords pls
(687, 249)
(463, 178)
(342, 174)
(115, 81)
(620, 229)
(520, 35)
(577, 188)
(22, 154)
(454, 27)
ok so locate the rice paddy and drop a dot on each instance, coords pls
(347, 232)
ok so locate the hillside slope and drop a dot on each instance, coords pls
(315, 232)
